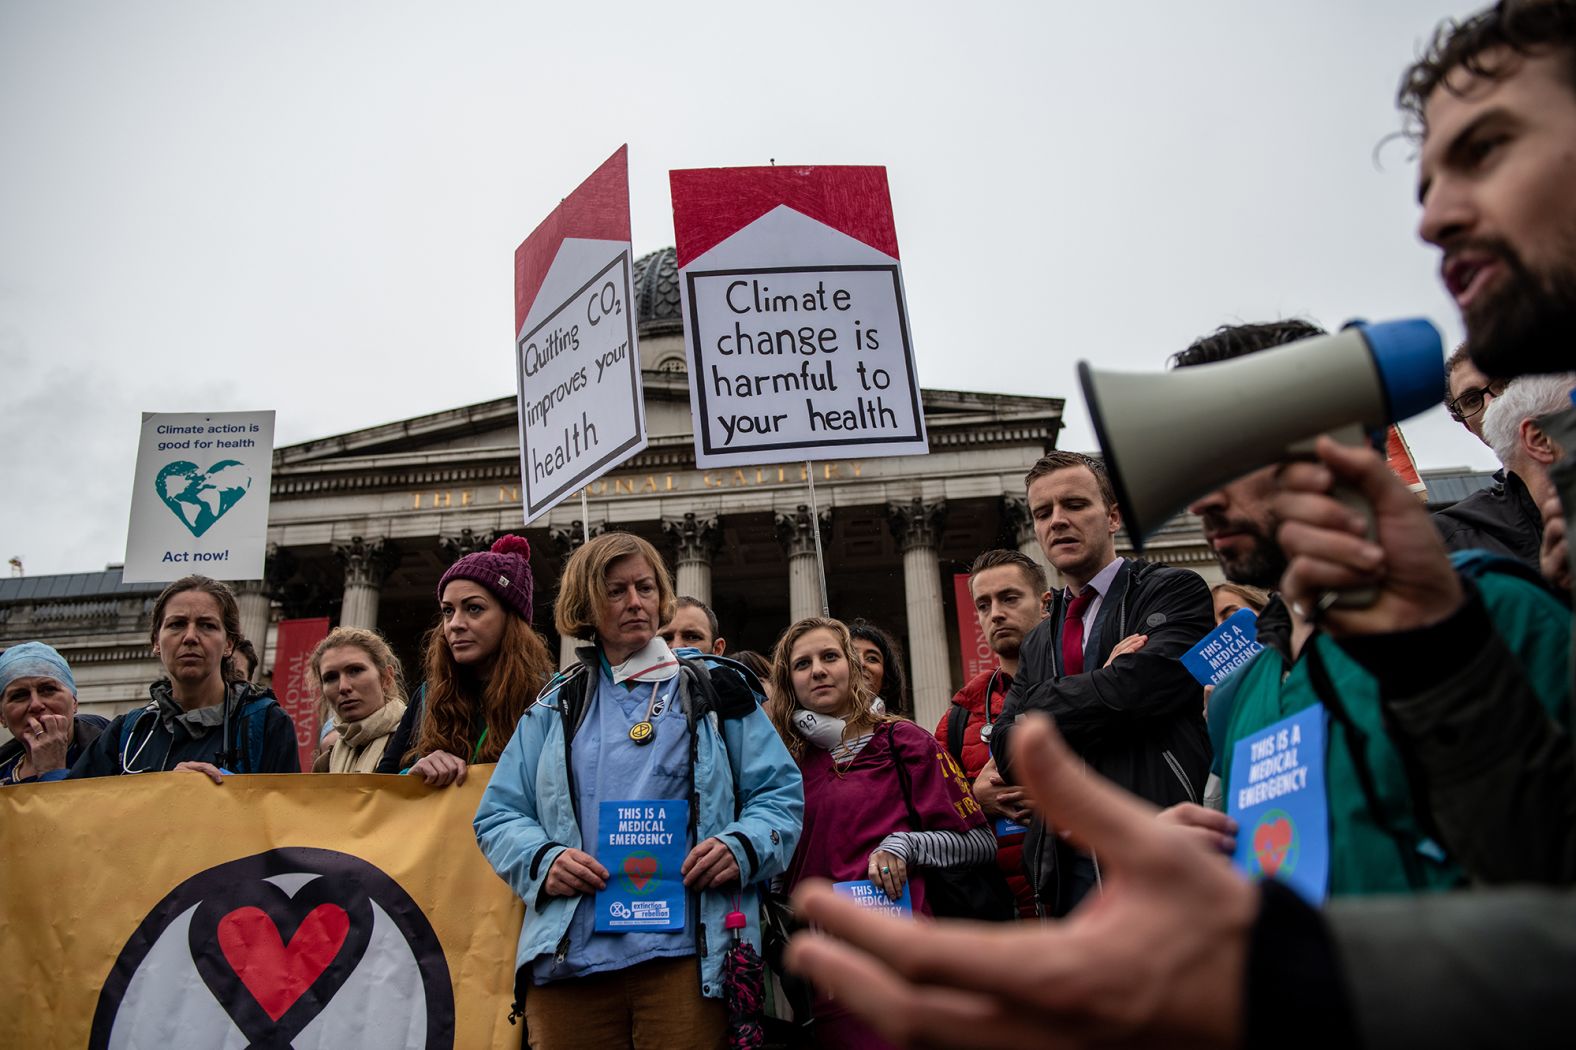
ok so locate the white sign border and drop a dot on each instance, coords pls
(616, 456)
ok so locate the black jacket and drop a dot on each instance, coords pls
(1498, 774)
(85, 730)
(151, 747)
(1138, 722)
(1501, 518)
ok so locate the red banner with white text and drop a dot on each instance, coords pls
(975, 647)
(292, 682)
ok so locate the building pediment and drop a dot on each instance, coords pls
(479, 444)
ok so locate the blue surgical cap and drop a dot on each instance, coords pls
(34, 660)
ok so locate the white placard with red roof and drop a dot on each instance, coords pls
(581, 410)
(794, 315)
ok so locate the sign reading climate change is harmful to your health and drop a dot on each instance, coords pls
(581, 411)
(199, 501)
(794, 315)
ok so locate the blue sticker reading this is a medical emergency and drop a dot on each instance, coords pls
(1277, 798)
(641, 843)
(867, 894)
(1224, 649)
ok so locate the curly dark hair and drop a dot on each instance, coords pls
(1487, 45)
(1234, 340)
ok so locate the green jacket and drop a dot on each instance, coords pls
(1378, 839)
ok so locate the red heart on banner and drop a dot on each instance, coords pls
(1271, 842)
(640, 868)
(276, 973)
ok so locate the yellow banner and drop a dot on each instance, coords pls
(331, 911)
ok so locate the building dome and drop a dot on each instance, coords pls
(656, 281)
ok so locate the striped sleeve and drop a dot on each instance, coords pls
(942, 849)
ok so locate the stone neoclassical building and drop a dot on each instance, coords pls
(362, 525)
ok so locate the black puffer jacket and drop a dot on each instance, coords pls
(1501, 518)
(1138, 722)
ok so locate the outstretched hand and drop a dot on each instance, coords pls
(1157, 959)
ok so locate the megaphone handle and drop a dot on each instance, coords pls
(1355, 436)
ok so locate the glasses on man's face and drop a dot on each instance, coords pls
(1470, 401)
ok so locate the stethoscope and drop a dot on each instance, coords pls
(990, 722)
(644, 730)
(127, 762)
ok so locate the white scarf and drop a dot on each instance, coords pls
(826, 732)
(654, 663)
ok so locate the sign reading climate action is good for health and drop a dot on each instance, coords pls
(581, 412)
(794, 315)
(199, 501)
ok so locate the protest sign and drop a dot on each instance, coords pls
(867, 894)
(1277, 798)
(641, 842)
(581, 410)
(794, 314)
(1226, 648)
(199, 499)
(317, 912)
(293, 683)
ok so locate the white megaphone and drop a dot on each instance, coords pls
(1169, 438)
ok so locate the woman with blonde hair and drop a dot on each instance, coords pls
(359, 680)
(632, 723)
(484, 664)
(883, 801)
(1230, 598)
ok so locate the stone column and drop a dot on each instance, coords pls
(367, 564)
(566, 539)
(695, 542)
(1015, 509)
(798, 541)
(256, 611)
(917, 526)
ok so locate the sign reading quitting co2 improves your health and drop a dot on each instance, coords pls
(581, 411)
(794, 314)
(199, 499)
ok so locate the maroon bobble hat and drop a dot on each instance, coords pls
(505, 570)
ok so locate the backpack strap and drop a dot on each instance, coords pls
(903, 782)
(728, 696)
(957, 724)
(128, 725)
(254, 719)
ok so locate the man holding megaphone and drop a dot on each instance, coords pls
(1377, 841)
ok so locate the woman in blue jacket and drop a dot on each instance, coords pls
(632, 723)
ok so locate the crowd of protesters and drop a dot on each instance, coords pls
(1073, 795)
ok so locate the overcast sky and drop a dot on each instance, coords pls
(313, 206)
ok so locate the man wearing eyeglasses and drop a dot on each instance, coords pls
(1503, 518)
(1468, 391)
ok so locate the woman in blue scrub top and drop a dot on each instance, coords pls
(634, 724)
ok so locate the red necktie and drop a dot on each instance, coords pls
(1073, 632)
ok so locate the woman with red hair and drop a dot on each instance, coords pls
(484, 663)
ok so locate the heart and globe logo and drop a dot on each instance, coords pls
(640, 868)
(300, 948)
(1275, 843)
(199, 498)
